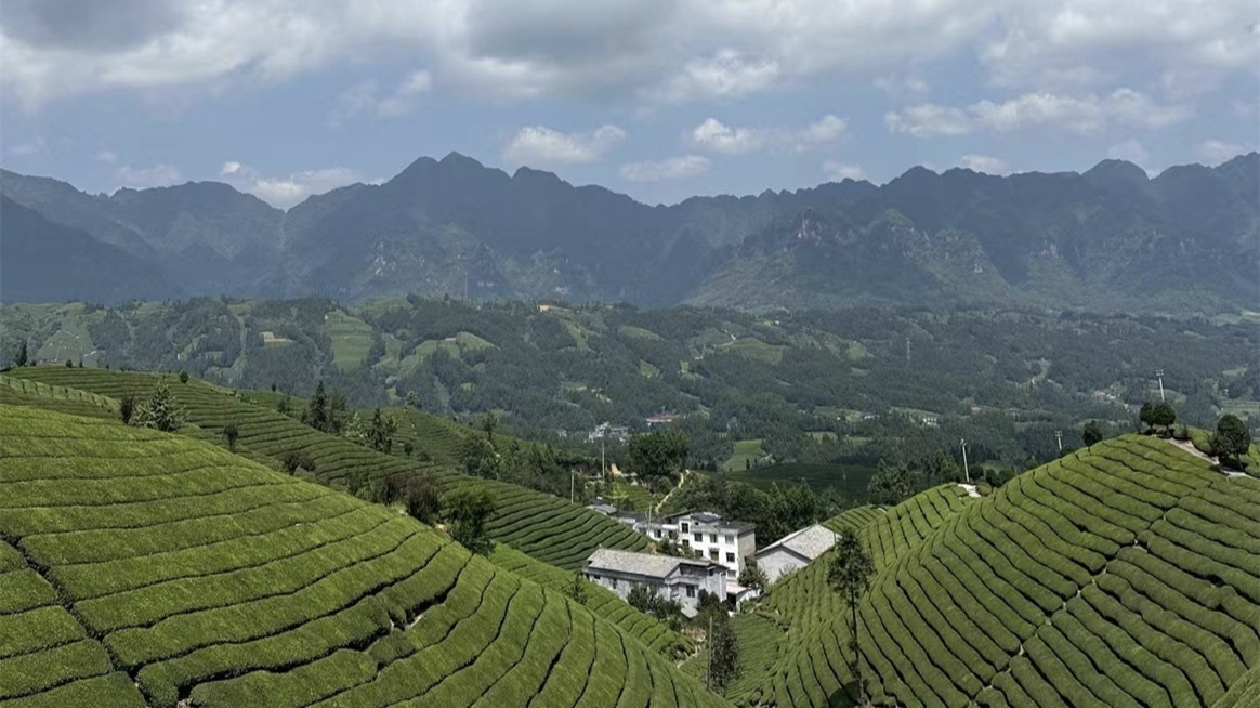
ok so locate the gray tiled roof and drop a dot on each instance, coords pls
(809, 542)
(649, 565)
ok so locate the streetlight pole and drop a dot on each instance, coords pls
(966, 469)
(1159, 375)
(1059, 434)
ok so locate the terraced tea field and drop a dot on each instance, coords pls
(141, 568)
(550, 529)
(1127, 574)
(602, 602)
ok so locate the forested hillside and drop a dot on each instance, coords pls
(855, 385)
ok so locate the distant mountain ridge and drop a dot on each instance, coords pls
(1111, 238)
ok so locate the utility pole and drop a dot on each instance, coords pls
(1159, 374)
(603, 465)
(572, 486)
(1059, 434)
(966, 469)
(907, 349)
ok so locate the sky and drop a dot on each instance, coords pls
(658, 99)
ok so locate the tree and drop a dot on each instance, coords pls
(1232, 439)
(69, 364)
(488, 423)
(20, 357)
(380, 436)
(412, 400)
(658, 456)
(408, 448)
(317, 414)
(160, 412)
(723, 650)
(127, 407)
(577, 591)
(284, 406)
(1147, 415)
(848, 574)
(1092, 434)
(753, 577)
(294, 461)
(890, 485)
(1163, 414)
(422, 500)
(642, 598)
(183, 377)
(230, 433)
(273, 388)
(467, 510)
(481, 459)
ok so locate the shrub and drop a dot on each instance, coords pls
(230, 433)
(127, 407)
(183, 377)
(294, 460)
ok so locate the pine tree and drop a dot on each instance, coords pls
(161, 411)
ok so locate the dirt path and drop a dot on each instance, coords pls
(681, 481)
(1190, 448)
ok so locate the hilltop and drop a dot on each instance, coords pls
(147, 569)
(1109, 239)
(1125, 574)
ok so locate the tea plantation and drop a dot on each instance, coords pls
(140, 568)
(1127, 574)
(548, 528)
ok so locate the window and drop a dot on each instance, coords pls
(730, 557)
(686, 543)
(713, 554)
(685, 526)
(595, 578)
(691, 591)
(614, 583)
(658, 533)
(699, 538)
(730, 539)
(712, 538)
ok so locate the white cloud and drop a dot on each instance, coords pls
(1130, 151)
(727, 74)
(352, 102)
(288, 190)
(716, 136)
(1083, 115)
(683, 167)
(927, 120)
(838, 171)
(107, 156)
(28, 148)
(543, 146)
(680, 49)
(1214, 152)
(827, 129)
(985, 164)
(144, 177)
(902, 86)
(403, 99)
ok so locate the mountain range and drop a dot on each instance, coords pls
(1109, 239)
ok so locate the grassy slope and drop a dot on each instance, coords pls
(548, 528)
(212, 578)
(1126, 574)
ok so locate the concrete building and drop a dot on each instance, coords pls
(672, 578)
(608, 433)
(796, 550)
(728, 543)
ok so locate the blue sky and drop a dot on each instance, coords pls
(659, 99)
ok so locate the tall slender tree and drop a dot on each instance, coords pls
(848, 574)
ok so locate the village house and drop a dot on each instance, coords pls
(794, 551)
(672, 578)
(608, 432)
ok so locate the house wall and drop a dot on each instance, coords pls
(778, 562)
(732, 550)
(672, 588)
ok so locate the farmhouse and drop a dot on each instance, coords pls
(672, 578)
(607, 431)
(796, 550)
